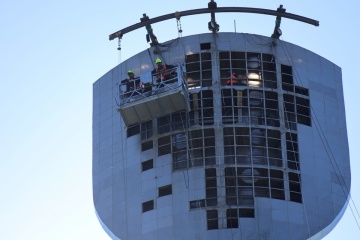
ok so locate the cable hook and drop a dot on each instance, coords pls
(178, 22)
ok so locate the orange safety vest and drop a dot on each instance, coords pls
(161, 71)
(232, 80)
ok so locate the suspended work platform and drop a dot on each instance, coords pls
(154, 97)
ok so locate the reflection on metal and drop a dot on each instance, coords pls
(154, 99)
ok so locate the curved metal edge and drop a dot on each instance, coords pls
(177, 14)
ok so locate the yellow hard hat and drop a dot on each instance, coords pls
(130, 71)
(158, 60)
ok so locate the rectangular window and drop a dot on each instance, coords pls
(246, 213)
(230, 101)
(302, 91)
(165, 190)
(146, 165)
(206, 108)
(205, 46)
(261, 182)
(164, 146)
(292, 151)
(198, 70)
(212, 219)
(211, 187)
(148, 206)
(289, 110)
(303, 111)
(287, 78)
(295, 187)
(232, 218)
(133, 130)
(146, 145)
(232, 68)
(163, 124)
(277, 184)
(178, 121)
(272, 109)
(146, 130)
(197, 204)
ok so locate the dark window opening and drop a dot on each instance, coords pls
(148, 206)
(133, 130)
(295, 197)
(179, 151)
(292, 151)
(246, 213)
(146, 145)
(268, 57)
(178, 121)
(205, 46)
(206, 108)
(192, 58)
(165, 190)
(277, 194)
(163, 124)
(212, 219)
(146, 165)
(287, 79)
(286, 69)
(198, 68)
(301, 90)
(146, 130)
(211, 187)
(231, 101)
(303, 111)
(269, 67)
(164, 146)
(270, 79)
(197, 204)
(295, 187)
(232, 218)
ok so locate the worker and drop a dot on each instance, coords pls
(162, 71)
(234, 80)
(132, 83)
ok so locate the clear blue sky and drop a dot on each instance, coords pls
(51, 52)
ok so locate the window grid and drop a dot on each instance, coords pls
(296, 101)
(265, 146)
(194, 148)
(295, 187)
(198, 70)
(247, 69)
(146, 130)
(250, 106)
(212, 219)
(245, 183)
(211, 187)
(202, 108)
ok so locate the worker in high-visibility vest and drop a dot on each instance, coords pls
(162, 71)
(233, 80)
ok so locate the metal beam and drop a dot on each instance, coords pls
(120, 33)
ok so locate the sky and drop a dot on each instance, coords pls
(51, 52)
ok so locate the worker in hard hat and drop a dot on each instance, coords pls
(132, 83)
(163, 71)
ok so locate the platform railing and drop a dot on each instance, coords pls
(153, 84)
